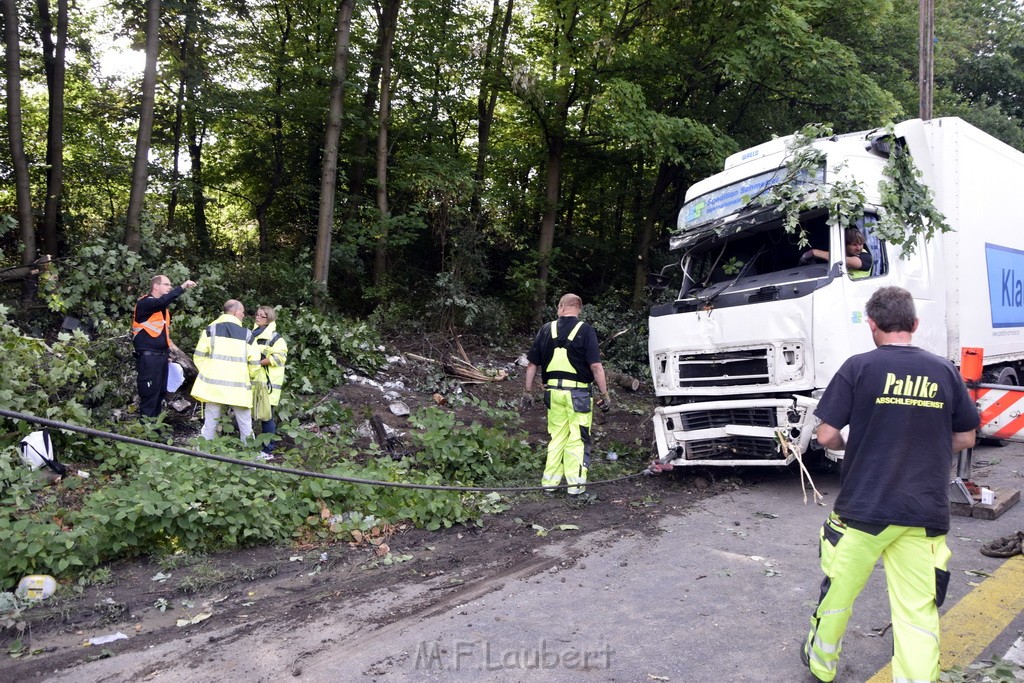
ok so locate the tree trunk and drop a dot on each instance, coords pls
(17, 144)
(556, 145)
(54, 60)
(486, 102)
(391, 8)
(329, 168)
(357, 179)
(140, 169)
(179, 115)
(646, 238)
(195, 154)
(179, 112)
(277, 138)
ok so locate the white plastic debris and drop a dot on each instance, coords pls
(400, 409)
(103, 640)
(612, 455)
(365, 381)
(175, 376)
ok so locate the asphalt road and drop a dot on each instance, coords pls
(722, 593)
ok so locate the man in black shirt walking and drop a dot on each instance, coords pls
(908, 411)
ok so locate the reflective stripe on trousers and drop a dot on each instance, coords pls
(569, 447)
(915, 574)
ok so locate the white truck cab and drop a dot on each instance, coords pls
(742, 355)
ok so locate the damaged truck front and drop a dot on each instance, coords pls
(741, 356)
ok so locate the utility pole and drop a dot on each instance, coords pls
(926, 53)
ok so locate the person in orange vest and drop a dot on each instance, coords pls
(151, 337)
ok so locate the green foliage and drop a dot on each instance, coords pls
(472, 454)
(622, 334)
(799, 189)
(909, 204)
(322, 347)
(51, 380)
(143, 501)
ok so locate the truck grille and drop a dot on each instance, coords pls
(729, 447)
(734, 448)
(706, 419)
(727, 368)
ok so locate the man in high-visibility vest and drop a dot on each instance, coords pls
(567, 354)
(274, 356)
(908, 412)
(227, 360)
(151, 337)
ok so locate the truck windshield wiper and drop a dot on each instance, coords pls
(739, 276)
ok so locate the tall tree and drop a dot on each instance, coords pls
(329, 170)
(54, 60)
(14, 132)
(140, 169)
(390, 19)
(487, 98)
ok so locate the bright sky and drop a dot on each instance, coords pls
(115, 54)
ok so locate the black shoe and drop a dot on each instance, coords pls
(806, 659)
(581, 499)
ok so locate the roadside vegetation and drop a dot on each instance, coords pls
(394, 168)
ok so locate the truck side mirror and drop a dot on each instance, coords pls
(657, 281)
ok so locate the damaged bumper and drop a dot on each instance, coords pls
(743, 432)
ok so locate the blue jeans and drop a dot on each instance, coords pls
(269, 427)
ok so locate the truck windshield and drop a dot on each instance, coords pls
(764, 253)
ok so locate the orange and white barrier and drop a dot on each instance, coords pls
(1001, 405)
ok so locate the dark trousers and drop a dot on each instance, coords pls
(152, 369)
(269, 427)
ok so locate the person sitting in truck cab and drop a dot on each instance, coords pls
(858, 258)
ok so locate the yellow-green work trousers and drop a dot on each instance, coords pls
(569, 447)
(916, 576)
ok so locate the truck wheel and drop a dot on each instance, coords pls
(1004, 375)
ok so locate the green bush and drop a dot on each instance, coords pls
(472, 454)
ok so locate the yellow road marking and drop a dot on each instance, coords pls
(972, 624)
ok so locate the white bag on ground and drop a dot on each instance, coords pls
(37, 450)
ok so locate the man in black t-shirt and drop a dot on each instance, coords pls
(908, 411)
(566, 353)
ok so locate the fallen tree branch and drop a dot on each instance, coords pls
(463, 370)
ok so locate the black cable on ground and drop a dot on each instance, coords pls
(88, 431)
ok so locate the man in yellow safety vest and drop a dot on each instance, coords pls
(227, 361)
(567, 354)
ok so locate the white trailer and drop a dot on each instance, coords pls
(742, 355)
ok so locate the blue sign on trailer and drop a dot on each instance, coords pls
(1005, 285)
